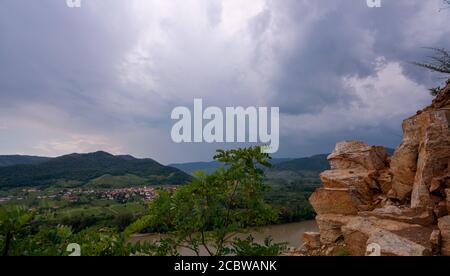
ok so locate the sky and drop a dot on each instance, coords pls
(106, 75)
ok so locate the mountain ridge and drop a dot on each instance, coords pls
(88, 166)
(17, 159)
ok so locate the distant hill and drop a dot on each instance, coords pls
(316, 163)
(210, 167)
(11, 160)
(313, 163)
(83, 168)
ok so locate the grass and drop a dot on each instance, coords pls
(108, 181)
(104, 209)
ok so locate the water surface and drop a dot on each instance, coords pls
(291, 233)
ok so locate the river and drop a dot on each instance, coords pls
(291, 233)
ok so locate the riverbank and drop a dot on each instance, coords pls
(291, 233)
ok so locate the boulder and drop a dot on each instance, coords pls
(444, 228)
(441, 209)
(335, 201)
(442, 100)
(358, 155)
(358, 230)
(400, 204)
(392, 244)
(422, 156)
(361, 183)
(435, 241)
(311, 240)
(439, 184)
(330, 227)
(404, 161)
(384, 180)
(447, 192)
(434, 153)
(423, 217)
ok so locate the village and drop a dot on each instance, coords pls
(122, 195)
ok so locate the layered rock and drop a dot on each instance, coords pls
(399, 203)
(444, 228)
(311, 240)
(352, 183)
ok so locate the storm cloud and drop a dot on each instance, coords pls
(106, 76)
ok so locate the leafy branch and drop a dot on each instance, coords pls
(439, 62)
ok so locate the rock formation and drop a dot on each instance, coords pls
(395, 205)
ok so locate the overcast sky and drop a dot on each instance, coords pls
(107, 75)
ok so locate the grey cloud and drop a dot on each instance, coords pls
(112, 70)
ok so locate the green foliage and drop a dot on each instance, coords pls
(17, 238)
(80, 222)
(435, 91)
(344, 252)
(46, 242)
(289, 193)
(248, 247)
(108, 181)
(206, 214)
(13, 221)
(209, 211)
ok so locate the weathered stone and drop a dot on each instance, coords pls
(435, 241)
(359, 182)
(442, 100)
(444, 227)
(369, 198)
(358, 155)
(439, 184)
(384, 180)
(441, 209)
(358, 230)
(330, 227)
(335, 201)
(311, 240)
(423, 217)
(422, 156)
(434, 153)
(394, 245)
(435, 186)
(404, 164)
(447, 193)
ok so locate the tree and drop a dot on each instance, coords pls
(211, 210)
(13, 220)
(439, 62)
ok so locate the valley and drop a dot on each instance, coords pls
(99, 189)
(102, 190)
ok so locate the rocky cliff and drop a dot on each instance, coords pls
(371, 203)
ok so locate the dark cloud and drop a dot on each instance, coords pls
(107, 75)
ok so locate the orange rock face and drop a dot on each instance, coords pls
(311, 240)
(422, 157)
(400, 204)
